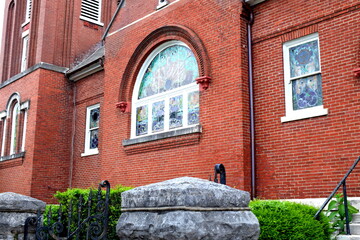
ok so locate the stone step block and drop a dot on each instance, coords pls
(348, 237)
(355, 228)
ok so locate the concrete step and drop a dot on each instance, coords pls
(355, 228)
(356, 218)
(348, 237)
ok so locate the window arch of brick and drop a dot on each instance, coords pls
(154, 40)
(13, 126)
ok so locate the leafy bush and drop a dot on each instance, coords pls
(336, 213)
(73, 195)
(289, 221)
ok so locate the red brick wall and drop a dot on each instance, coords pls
(224, 109)
(15, 175)
(308, 157)
(86, 170)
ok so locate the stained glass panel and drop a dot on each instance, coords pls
(94, 118)
(94, 138)
(141, 120)
(158, 114)
(193, 107)
(173, 67)
(304, 59)
(307, 92)
(176, 112)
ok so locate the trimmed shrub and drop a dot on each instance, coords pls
(73, 195)
(281, 220)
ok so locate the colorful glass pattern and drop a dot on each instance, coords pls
(94, 140)
(141, 120)
(307, 92)
(173, 67)
(94, 118)
(304, 59)
(176, 112)
(158, 115)
(193, 108)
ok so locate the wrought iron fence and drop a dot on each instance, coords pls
(93, 226)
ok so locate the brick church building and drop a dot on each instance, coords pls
(138, 92)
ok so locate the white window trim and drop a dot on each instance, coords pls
(87, 150)
(3, 118)
(14, 126)
(24, 107)
(25, 50)
(292, 115)
(184, 91)
(98, 22)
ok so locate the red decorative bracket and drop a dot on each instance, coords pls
(124, 106)
(204, 82)
(357, 72)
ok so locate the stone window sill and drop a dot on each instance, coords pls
(176, 138)
(12, 160)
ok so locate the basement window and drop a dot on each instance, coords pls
(91, 11)
(92, 130)
(303, 81)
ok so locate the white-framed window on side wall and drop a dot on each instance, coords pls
(13, 123)
(92, 130)
(91, 11)
(166, 96)
(25, 50)
(302, 79)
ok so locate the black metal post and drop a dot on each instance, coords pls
(219, 168)
(346, 209)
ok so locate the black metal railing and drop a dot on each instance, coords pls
(343, 184)
(94, 226)
(220, 169)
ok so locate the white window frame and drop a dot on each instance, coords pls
(183, 91)
(25, 50)
(292, 115)
(93, 10)
(3, 118)
(87, 150)
(15, 118)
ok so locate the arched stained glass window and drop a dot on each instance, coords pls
(166, 95)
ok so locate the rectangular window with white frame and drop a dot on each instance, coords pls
(302, 79)
(91, 11)
(25, 50)
(92, 130)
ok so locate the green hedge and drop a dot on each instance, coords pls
(64, 198)
(283, 220)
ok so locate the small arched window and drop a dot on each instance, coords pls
(13, 127)
(166, 96)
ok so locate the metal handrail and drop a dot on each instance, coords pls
(343, 183)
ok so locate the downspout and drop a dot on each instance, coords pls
(251, 99)
(111, 21)
(73, 138)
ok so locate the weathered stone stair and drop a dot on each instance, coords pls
(354, 225)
